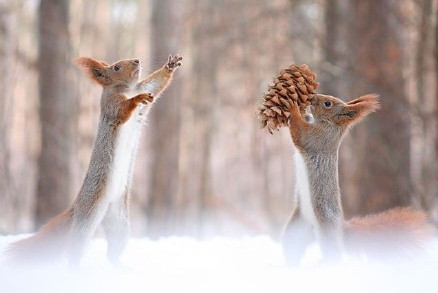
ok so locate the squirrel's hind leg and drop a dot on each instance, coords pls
(297, 236)
(330, 239)
(116, 226)
(87, 216)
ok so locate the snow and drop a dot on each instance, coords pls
(247, 264)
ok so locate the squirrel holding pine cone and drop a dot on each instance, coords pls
(317, 213)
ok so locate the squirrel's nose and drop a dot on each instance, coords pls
(136, 61)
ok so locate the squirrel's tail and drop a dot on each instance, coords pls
(398, 232)
(45, 245)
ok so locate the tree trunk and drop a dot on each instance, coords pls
(435, 197)
(423, 181)
(56, 104)
(6, 56)
(164, 128)
(197, 186)
(382, 142)
(328, 79)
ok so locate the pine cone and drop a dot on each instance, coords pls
(292, 84)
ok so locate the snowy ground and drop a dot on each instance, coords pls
(251, 264)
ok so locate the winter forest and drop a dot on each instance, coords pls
(204, 168)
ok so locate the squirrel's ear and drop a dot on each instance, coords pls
(96, 70)
(358, 108)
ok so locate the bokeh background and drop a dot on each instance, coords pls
(203, 166)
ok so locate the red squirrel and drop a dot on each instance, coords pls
(318, 211)
(104, 195)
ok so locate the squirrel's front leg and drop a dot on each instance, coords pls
(160, 79)
(298, 126)
(128, 106)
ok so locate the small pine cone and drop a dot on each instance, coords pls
(293, 84)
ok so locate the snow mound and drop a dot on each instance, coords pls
(249, 264)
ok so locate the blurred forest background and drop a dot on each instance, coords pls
(203, 167)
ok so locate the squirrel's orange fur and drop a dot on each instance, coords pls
(397, 232)
(49, 241)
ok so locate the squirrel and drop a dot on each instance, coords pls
(318, 213)
(104, 195)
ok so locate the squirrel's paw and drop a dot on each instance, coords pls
(144, 98)
(173, 62)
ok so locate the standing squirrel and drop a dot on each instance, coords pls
(104, 195)
(318, 211)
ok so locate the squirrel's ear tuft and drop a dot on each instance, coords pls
(358, 108)
(95, 69)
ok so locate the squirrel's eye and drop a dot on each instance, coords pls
(328, 104)
(116, 67)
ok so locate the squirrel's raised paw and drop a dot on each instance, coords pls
(173, 62)
(144, 98)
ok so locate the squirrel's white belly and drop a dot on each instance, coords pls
(125, 147)
(303, 188)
